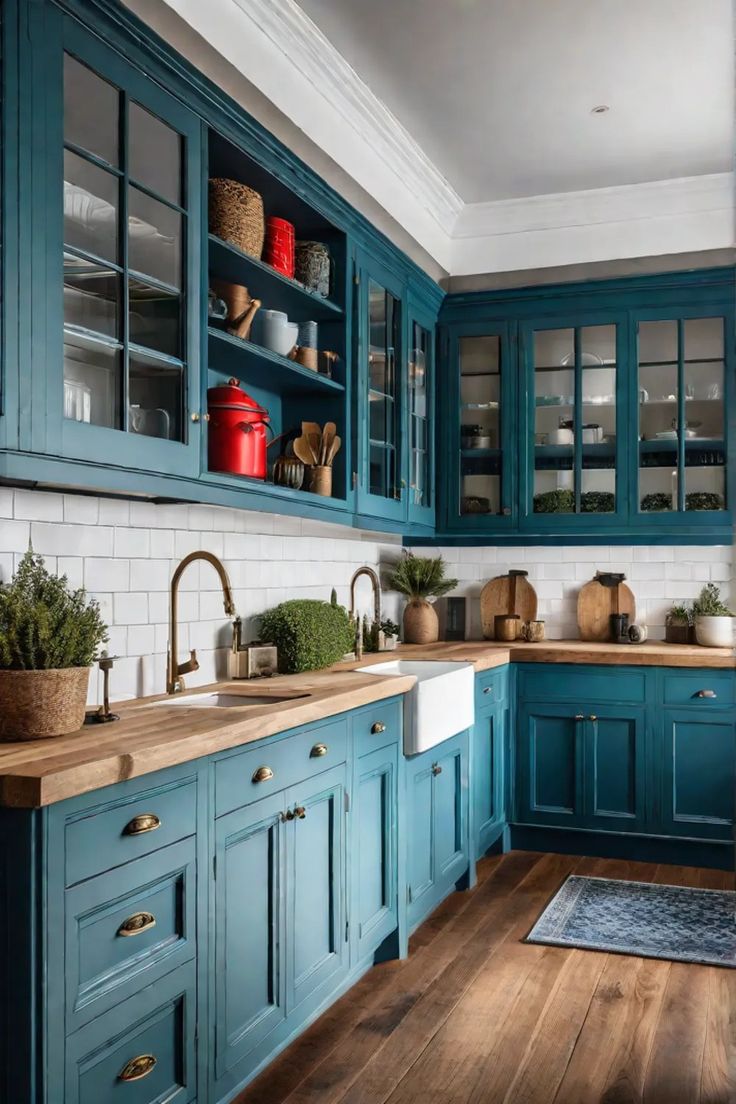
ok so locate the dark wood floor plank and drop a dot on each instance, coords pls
(717, 879)
(678, 875)
(718, 1078)
(630, 1054)
(675, 1063)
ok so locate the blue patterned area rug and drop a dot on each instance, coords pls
(639, 918)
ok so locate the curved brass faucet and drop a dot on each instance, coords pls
(174, 669)
(376, 584)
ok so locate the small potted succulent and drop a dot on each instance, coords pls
(420, 579)
(389, 637)
(49, 638)
(714, 621)
(678, 625)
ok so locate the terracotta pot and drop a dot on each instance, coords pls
(38, 704)
(421, 624)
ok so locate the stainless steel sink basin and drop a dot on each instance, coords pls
(223, 699)
(441, 704)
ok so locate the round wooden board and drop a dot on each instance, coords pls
(494, 599)
(595, 606)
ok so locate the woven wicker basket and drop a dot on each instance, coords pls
(38, 704)
(236, 215)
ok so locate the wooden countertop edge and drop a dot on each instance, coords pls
(35, 775)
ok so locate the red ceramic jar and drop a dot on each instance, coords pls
(279, 248)
(238, 427)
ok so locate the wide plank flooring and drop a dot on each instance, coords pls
(475, 1016)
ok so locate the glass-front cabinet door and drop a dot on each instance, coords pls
(480, 465)
(573, 462)
(682, 408)
(381, 483)
(129, 325)
(420, 416)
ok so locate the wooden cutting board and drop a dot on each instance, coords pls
(494, 600)
(596, 603)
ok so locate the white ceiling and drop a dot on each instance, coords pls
(498, 93)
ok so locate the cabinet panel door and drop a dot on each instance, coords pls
(250, 927)
(317, 883)
(420, 827)
(487, 751)
(374, 849)
(450, 844)
(699, 775)
(549, 765)
(615, 768)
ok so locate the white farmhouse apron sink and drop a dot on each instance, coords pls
(441, 704)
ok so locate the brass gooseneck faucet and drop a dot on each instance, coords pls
(174, 669)
(375, 583)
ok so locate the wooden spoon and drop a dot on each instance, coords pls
(328, 436)
(303, 451)
(333, 451)
(313, 434)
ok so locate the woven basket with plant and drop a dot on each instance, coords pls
(49, 637)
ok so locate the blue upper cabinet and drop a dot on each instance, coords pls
(123, 206)
(622, 422)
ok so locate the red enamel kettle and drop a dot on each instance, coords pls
(238, 426)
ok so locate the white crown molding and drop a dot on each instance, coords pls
(278, 48)
(682, 215)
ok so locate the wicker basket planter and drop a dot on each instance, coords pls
(236, 215)
(38, 704)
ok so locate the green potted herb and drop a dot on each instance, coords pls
(420, 578)
(49, 637)
(678, 625)
(714, 622)
(309, 634)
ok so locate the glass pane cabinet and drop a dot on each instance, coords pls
(682, 416)
(420, 412)
(573, 397)
(129, 263)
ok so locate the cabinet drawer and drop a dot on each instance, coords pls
(127, 928)
(581, 683)
(491, 686)
(140, 1053)
(704, 689)
(287, 761)
(377, 726)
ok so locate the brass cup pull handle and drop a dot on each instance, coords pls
(592, 717)
(436, 768)
(144, 822)
(579, 717)
(136, 924)
(706, 694)
(318, 751)
(137, 1068)
(263, 774)
(379, 726)
(300, 812)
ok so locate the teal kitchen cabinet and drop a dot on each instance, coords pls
(549, 765)
(421, 389)
(488, 757)
(698, 773)
(437, 842)
(374, 847)
(614, 768)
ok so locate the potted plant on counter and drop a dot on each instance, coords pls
(389, 635)
(678, 625)
(420, 578)
(714, 621)
(49, 637)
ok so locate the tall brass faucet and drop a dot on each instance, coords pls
(375, 583)
(174, 669)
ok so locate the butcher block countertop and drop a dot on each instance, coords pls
(148, 738)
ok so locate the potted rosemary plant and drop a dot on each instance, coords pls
(49, 637)
(714, 622)
(420, 579)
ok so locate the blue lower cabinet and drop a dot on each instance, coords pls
(614, 768)
(373, 845)
(437, 824)
(549, 765)
(698, 762)
(142, 1052)
(488, 754)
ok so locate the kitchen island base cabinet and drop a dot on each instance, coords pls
(437, 843)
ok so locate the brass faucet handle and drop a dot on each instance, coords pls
(192, 664)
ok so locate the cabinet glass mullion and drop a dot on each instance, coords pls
(384, 334)
(481, 489)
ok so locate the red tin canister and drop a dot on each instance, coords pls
(279, 249)
(237, 437)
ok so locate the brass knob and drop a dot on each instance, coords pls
(579, 717)
(436, 768)
(137, 1068)
(194, 415)
(288, 815)
(144, 822)
(318, 751)
(138, 923)
(263, 774)
(592, 717)
(205, 417)
(706, 694)
(379, 726)
(300, 812)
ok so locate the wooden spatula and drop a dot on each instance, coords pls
(303, 451)
(328, 436)
(333, 450)
(313, 434)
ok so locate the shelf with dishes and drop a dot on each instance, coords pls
(230, 356)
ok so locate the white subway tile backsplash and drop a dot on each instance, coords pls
(6, 503)
(114, 511)
(81, 509)
(130, 609)
(102, 573)
(14, 536)
(132, 542)
(38, 506)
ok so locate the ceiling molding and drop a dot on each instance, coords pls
(278, 48)
(686, 214)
